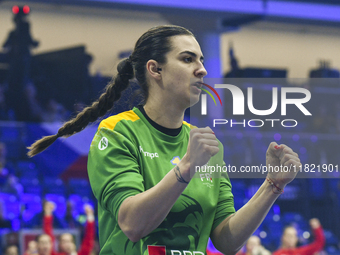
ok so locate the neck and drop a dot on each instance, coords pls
(163, 114)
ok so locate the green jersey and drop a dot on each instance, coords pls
(129, 156)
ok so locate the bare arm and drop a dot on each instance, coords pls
(231, 234)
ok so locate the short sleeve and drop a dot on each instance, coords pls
(113, 169)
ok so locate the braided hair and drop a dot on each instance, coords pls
(153, 44)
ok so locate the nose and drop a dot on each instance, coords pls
(200, 71)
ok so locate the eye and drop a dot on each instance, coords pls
(188, 59)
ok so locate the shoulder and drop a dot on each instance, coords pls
(187, 126)
(111, 122)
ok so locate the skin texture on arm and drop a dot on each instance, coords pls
(233, 232)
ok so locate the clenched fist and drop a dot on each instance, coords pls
(282, 164)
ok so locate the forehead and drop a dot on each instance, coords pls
(182, 43)
(290, 231)
(66, 237)
(32, 243)
(44, 238)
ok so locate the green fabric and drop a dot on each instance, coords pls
(123, 162)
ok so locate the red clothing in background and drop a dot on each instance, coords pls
(48, 229)
(88, 240)
(308, 249)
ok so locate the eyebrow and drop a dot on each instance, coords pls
(192, 54)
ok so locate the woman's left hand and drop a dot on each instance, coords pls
(283, 164)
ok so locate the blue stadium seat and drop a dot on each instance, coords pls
(7, 198)
(27, 169)
(32, 204)
(31, 185)
(80, 186)
(13, 210)
(54, 186)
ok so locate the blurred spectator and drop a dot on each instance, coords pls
(289, 241)
(37, 220)
(73, 249)
(66, 240)
(4, 223)
(45, 245)
(55, 112)
(12, 186)
(11, 250)
(8, 181)
(32, 248)
(34, 110)
(96, 248)
(254, 247)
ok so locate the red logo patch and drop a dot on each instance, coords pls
(156, 250)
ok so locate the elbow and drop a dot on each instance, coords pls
(230, 252)
(132, 226)
(134, 237)
(132, 233)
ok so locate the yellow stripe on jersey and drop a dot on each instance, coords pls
(189, 125)
(112, 121)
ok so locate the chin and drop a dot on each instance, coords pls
(194, 99)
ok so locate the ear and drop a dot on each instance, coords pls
(152, 67)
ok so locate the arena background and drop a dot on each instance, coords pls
(80, 44)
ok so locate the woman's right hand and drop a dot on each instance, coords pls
(201, 147)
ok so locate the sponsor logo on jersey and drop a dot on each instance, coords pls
(156, 250)
(206, 179)
(175, 160)
(175, 252)
(161, 250)
(148, 154)
(103, 143)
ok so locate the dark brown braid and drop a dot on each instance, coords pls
(153, 44)
(90, 113)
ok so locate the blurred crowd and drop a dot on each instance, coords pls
(290, 244)
(64, 244)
